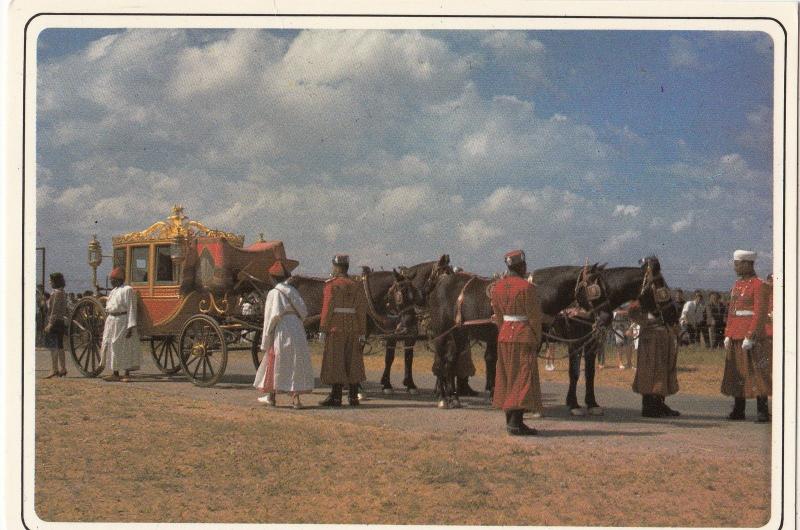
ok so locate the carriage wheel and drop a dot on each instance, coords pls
(165, 354)
(203, 350)
(86, 336)
(255, 348)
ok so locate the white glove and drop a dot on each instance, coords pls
(727, 343)
(321, 336)
(362, 339)
(747, 344)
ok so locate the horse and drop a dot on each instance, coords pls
(461, 310)
(393, 327)
(619, 285)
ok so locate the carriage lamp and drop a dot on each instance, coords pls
(95, 258)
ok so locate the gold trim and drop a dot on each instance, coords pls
(176, 224)
(211, 306)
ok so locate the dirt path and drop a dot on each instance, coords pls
(398, 457)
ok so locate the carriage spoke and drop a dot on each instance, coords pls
(196, 368)
(210, 368)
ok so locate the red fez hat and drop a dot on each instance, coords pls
(278, 269)
(117, 273)
(515, 257)
(341, 259)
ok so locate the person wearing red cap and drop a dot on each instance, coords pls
(286, 358)
(121, 349)
(343, 326)
(748, 360)
(656, 363)
(519, 317)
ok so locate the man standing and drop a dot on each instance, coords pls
(519, 319)
(715, 320)
(693, 316)
(343, 326)
(286, 359)
(748, 363)
(121, 348)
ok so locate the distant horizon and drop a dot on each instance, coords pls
(398, 146)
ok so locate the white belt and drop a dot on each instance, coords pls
(347, 310)
(515, 318)
(744, 313)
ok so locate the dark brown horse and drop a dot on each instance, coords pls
(461, 311)
(619, 284)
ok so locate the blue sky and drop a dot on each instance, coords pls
(399, 146)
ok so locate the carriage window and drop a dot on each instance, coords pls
(119, 257)
(165, 273)
(139, 257)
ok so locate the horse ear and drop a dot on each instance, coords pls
(366, 269)
(397, 275)
(443, 260)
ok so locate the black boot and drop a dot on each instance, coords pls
(334, 399)
(650, 408)
(738, 409)
(763, 410)
(665, 409)
(463, 388)
(352, 395)
(515, 426)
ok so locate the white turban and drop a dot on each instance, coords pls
(744, 255)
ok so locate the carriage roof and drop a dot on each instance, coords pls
(176, 225)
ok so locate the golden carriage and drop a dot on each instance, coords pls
(194, 286)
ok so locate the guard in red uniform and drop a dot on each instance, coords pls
(519, 317)
(343, 325)
(748, 362)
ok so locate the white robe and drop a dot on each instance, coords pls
(117, 351)
(284, 311)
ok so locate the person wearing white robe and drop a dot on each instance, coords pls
(121, 349)
(286, 362)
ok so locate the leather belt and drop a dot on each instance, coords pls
(118, 313)
(515, 318)
(744, 313)
(346, 310)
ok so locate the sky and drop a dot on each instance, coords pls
(398, 146)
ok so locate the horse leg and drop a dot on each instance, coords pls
(490, 357)
(439, 370)
(386, 378)
(408, 380)
(574, 375)
(588, 362)
(460, 346)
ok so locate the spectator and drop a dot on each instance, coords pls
(692, 317)
(715, 319)
(56, 326)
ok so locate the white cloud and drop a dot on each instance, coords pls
(683, 223)
(615, 243)
(622, 210)
(477, 234)
(682, 53)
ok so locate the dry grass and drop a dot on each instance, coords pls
(121, 453)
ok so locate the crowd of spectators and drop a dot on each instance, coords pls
(703, 318)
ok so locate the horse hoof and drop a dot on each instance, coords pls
(443, 404)
(388, 391)
(413, 391)
(578, 411)
(362, 396)
(596, 411)
(456, 404)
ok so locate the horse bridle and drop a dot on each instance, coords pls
(592, 283)
(661, 294)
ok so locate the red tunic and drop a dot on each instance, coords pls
(517, 379)
(768, 322)
(343, 319)
(749, 301)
